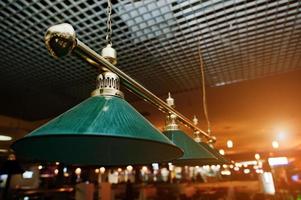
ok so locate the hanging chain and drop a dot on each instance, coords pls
(109, 23)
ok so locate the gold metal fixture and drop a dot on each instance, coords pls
(62, 44)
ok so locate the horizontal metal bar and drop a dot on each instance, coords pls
(87, 53)
(61, 40)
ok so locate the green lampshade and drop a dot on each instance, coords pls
(194, 153)
(102, 130)
(220, 158)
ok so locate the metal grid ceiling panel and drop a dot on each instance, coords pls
(157, 42)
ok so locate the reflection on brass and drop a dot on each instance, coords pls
(61, 40)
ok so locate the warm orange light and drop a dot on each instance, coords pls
(275, 144)
(257, 156)
(222, 151)
(144, 169)
(230, 144)
(102, 170)
(129, 168)
(78, 171)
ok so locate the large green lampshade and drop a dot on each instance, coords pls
(102, 130)
(194, 153)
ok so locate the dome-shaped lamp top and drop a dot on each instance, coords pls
(102, 130)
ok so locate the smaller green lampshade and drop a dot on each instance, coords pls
(220, 158)
(194, 153)
(102, 130)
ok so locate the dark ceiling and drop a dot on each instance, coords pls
(157, 44)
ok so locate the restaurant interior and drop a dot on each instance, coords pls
(150, 100)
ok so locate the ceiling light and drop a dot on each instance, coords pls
(222, 151)
(230, 144)
(275, 144)
(5, 138)
(105, 129)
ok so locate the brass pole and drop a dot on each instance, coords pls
(61, 40)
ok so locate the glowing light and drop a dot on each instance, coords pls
(57, 163)
(236, 168)
(156, 166)
(238, 164)
(3, 150)
(249, 162)
(246, 171)
(65, 169)
(144, 169)
(102, 170)
(226, 173)
(231, 166)
(275, 144)
(278, 161)
(97, 171)
(40, 167)
(206, 167)
(222, 151)
(129, 168)
(27, 174)
(281, 135)
(119, 170)
(259, 171)
(230, 144)
(56, 171)
(5, 138)
(257, 156)
(170, 166)
(78, 171)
